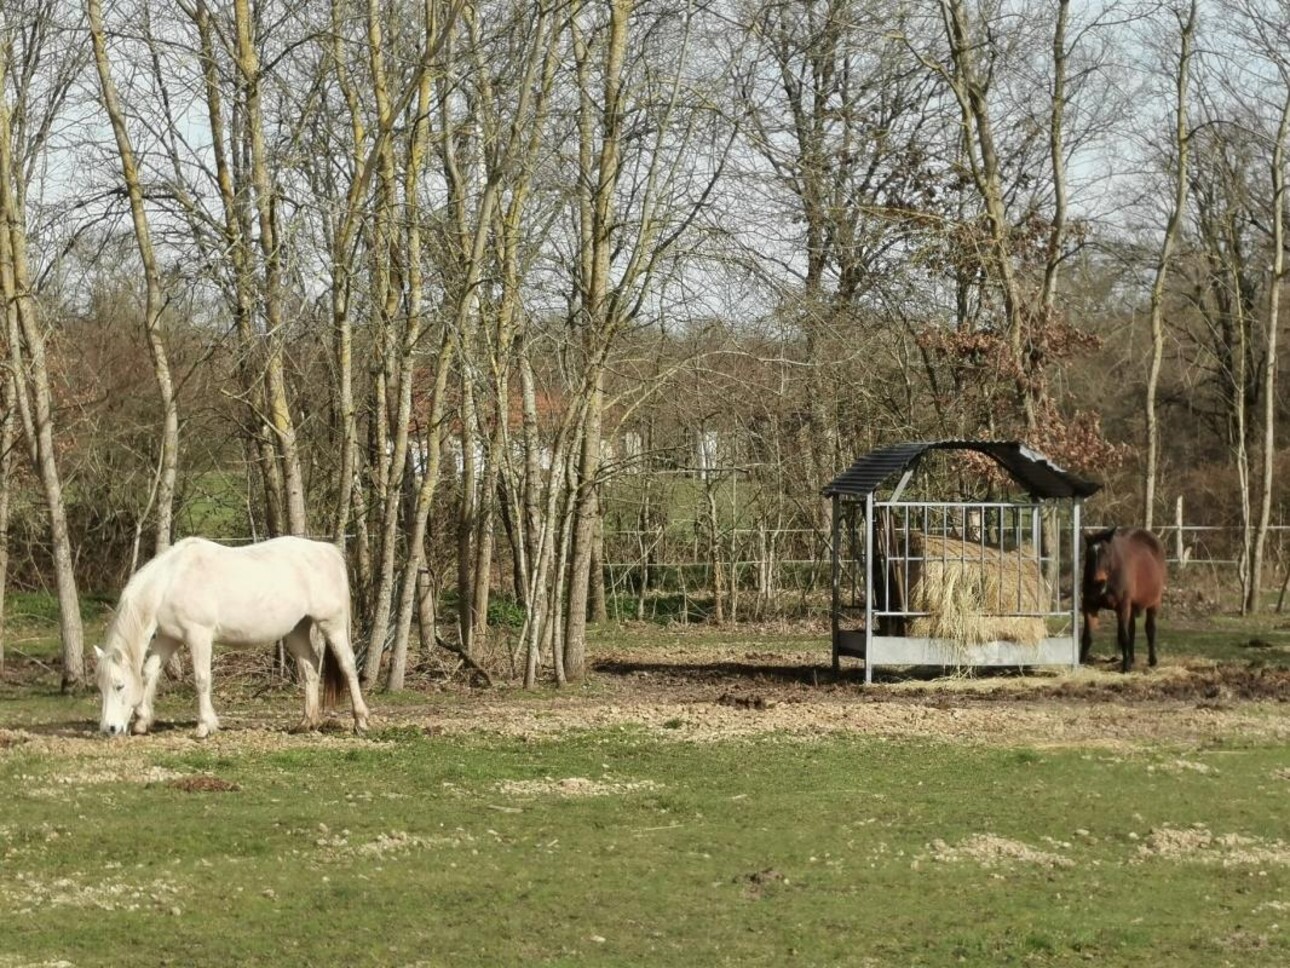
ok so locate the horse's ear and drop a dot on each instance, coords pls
(99, 653)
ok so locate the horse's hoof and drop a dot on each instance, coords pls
(206, 729)
(360, 724)
(140, 727)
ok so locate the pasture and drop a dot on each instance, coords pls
(705, 798)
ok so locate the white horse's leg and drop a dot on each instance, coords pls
(199, 645)
(308, 662)
(158, 655)
(336, 632)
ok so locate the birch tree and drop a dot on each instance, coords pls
(1180, 143)
(27, 35)
(1263, 27)
(168, 462)
(8, 437)
(637, 204)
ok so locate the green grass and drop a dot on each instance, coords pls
(1262, 639)
(39, 610)
(214, 506)
(847, 849)
(751, 852)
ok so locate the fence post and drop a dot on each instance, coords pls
(1178, 532)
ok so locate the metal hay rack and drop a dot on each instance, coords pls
(955, 583)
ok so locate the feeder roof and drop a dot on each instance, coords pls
(1033, 471)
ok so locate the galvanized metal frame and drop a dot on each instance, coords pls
(876, 649)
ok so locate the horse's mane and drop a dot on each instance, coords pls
(1097, 536)
(135, 617)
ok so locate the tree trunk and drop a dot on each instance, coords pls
(972, 91)
(17, 289)
(236, 238)
(168, 465)
(8, 438)
(1182, 141)
(599, 606)
(413, 328)
(584, 528)
(714, 552)
(466, 516)
(1270, 368)
(279, 407)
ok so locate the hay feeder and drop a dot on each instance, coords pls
(956, 583)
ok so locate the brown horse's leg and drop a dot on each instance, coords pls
(1151, 636)
(1124, 634)
(1086, 636)
(1133, 634)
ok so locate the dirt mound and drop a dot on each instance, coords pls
(1196, 683)
(203, 784)
(764, 681)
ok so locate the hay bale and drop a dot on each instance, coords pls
(971, 592)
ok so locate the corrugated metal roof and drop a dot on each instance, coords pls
(1032, 470)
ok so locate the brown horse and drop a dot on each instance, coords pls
(1124, 570)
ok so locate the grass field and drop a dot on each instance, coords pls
(705, 798)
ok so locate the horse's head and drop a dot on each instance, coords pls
(1098, 563)
(121, 686)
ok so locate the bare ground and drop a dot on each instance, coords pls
(714, 693)
(755, 694)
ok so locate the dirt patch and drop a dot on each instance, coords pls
(203, 783)
(88, 746)
(574, 786)
(744, 702)
(338, 846)
(991, 851)
(1198, 844)
(682, 690)
(812, 714)
(1180, 766)
(28, 892)
(758, 883)
(130, 769)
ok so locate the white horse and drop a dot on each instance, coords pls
(197, 593)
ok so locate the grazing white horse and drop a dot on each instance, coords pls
(197, 593)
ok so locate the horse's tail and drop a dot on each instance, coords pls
(333, 679)
(333, 676)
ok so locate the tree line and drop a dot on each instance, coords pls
(437, 280)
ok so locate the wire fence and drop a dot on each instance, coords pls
(760, 573)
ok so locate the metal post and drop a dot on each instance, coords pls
(837, 577)
(868, 587)
(1077, 576)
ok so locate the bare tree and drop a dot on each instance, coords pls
(168, 464)
(841, 119)
(8, 438)
(1181, 142)
(636, 207)
(28, 31)
(261, 184)
(1262, 28)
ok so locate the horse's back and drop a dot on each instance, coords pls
(1145, 558)
(253, 593)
